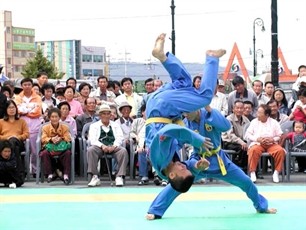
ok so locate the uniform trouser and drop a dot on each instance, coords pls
(234, 176)
(64, 160)
(94, 153)
(182, 88)
(34, 125)
(275, 150)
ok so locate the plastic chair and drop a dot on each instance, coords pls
(39, 170)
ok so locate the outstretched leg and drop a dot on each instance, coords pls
(158, 50)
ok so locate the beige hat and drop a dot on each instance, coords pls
(104, 108)
(221, 82)
(124, 104)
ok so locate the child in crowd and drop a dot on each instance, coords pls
(9, 174)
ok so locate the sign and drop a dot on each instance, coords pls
(23, 31)
(23, 46)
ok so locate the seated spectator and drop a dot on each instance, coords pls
(297, 140)
(233, 139)
(257, 86)
(89, 115)
(54, 133)
(75, 106)
(282, 103)
(65, 108)
(117, 88)
(106, 137)
(6, 91)
(10, 84)
(241, 93)
(9, 174)
(102, 95)
(48, 100)
(59, 95)
(264, 134)
(219, 101)
(248, 108)
(196, 82)
(114, 113)
(16, 131)
(73, 83)
(125, 122)
(37, 89)
(269, 89)
(299, 109)
(138, 134)
(275, 114)
(84, 90)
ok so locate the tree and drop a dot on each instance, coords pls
(40, 64)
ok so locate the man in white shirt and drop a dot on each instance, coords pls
(219, 101)
(106, 137)
(257, 86)
(102, 95)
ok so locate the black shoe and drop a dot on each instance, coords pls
(157, 180)
(143, 182)
(66, 181)
(50, 179)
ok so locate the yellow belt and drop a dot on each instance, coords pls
(164, 120)
(220, 161)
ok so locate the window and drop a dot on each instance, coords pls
(9, 61)
(8, 30)
(8, 45)
(86, 58)
(23, 53)
(15, 37)
(98, 58)
(23, 39)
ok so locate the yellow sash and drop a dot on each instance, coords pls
(164, 120)
(220, 161)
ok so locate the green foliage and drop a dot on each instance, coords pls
(40, 64)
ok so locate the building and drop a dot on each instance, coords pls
(16, 46)
(64, 54)
(93, 62)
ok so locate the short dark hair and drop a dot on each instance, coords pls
(71, 78)
(102, 77)
(148, 80)
(195, 78)
(5, 144)
(125, 79)
(69, 87)
(47, 86)
(301, 66)
(181, 184)
(237, 80)
(26, 79)
(54, 110)
(249, 103)
(62, 104)
(83, 84)
(40, 74)
(110, 84)
(85, 102)
(6, 89)
(257, 81)
(268, 82)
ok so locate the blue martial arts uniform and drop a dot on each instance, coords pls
(170, 101)
(211, 125)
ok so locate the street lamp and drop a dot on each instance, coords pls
(258, 22)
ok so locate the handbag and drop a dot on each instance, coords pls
(57, 149)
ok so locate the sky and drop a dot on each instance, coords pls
(128, 28)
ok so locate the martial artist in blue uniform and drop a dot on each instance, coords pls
(164, 108)
(211, 124)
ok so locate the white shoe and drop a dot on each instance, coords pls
(12, 185)
(119, 181)
(253, 177)
(95, 181)
(164, 183)
(275, 177)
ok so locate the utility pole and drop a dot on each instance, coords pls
(274, 51)
(173, 30)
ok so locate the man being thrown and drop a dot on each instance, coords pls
(165, 106)
(211, 123)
